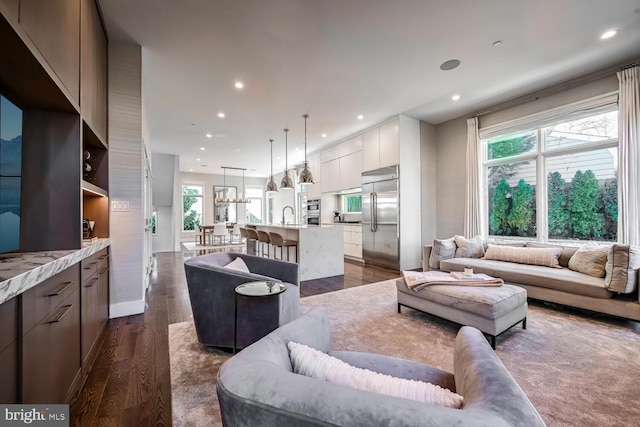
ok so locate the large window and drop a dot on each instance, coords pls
(192, 204)
(254, 209)
(555, 182)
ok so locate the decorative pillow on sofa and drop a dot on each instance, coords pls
(565, 255)
(442, 249)
(546, 257)
(590, 259)
(621, 268)
(239, 265)
(316, 364)
(469, 248)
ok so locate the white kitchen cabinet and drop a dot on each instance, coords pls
(351, 145)
(315, 164)
(350, 171)
(314, 191)
(389, 147)
(380, 147)
(371, 150)
(330, 175)
(330, 153)
(353, 240)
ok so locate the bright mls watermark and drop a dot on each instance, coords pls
(38, 415)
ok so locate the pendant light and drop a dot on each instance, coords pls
(222, 196)
(271, 187)
(306, 177)
(286, 182)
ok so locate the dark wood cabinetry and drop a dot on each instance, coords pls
(9, 351)
(93, 83)
(53, 27)
(95, 304)
(51, 339)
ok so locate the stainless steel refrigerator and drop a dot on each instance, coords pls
(380, 217)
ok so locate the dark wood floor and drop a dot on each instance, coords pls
(129, 384)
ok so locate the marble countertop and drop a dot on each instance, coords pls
(20, 271)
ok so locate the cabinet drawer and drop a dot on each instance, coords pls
(39, 301)
(51, 354)
(88, 267)
(9, 374)
(103, 260)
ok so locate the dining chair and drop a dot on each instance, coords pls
(236, 232)
(220, 231)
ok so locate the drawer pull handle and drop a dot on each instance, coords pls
(66, 309)
(103, 256)
(90, 266)
(104, 270)
(61, 289)
(94, 280)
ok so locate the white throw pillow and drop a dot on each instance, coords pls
(316, 364)
(239, 265)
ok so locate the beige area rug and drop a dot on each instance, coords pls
(577, 370)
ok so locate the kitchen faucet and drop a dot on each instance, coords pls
(283, 209)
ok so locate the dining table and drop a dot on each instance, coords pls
(206, 228)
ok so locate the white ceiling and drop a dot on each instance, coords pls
(336, 59)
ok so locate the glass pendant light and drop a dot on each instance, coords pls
(306, 177)
(271, 187)
(242, 197)
(286, 182)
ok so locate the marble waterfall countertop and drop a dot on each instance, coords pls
(21, 271)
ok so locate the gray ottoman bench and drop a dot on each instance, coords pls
(493, 310)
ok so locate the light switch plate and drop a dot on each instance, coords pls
(119, 206)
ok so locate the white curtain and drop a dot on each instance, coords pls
(472, 188)
(629, 157)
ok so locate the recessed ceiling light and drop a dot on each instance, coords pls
(221, 115)
(239, 85)
(277, 158)
(450, 64)
(202, 148)
(497, 43)
(190, 170)
(608, 34)
(198, 159)
(209, 135)
(324, 135)
(360, 117)
(297, 148)
(455, 97)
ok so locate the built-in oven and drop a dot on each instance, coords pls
(313, 212)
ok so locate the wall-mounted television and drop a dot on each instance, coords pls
(10, 174)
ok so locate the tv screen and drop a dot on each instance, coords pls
(10, 174)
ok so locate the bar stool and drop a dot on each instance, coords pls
(252, 238)
(279, 242)
(243, 234)
(263, 237)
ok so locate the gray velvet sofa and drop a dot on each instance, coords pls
(212, 294)
(561, 286)
(257, 387)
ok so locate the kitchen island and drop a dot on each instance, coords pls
(320, 251)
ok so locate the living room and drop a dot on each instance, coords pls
(150, 106)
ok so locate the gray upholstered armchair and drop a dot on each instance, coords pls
(212, 295)
(257, 387)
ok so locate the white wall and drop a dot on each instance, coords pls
(451, 173)
(164, 170)
(410, 200)
(428, 153)
(125, 180)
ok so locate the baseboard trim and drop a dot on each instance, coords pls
(128, 308)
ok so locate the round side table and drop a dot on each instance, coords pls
(254, 290)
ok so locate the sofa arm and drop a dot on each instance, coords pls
(426, 253)
(485, 383)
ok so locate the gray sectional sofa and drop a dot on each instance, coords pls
(257, 387)
(557, 285)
